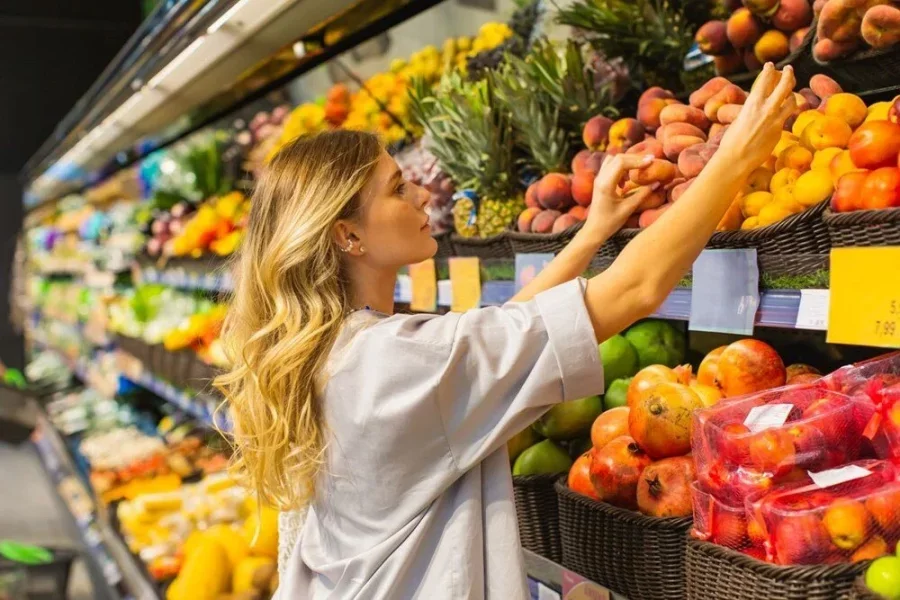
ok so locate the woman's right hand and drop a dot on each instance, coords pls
(749, 141)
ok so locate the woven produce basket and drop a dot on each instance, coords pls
(497, 246)
(860, 591)
(800, 59)
(865, 71)
(639, 557)
(718, 573)
(444, 245)
(553, 243)
(537, 512)
(864, 227)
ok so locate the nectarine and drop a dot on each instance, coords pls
(881, 189)
(875, 144)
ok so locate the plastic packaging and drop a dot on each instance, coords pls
(743, 447)
(846, 514)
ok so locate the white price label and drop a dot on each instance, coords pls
(403, 291)
(444, 293)
(765, 417)
(813, 310)
(831, 477)
(545, 593)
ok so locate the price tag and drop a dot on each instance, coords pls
(767, 416)
(444, 293)
(424, 286)
(831, 477)
(865, 297)
(576, 587)
(813, 310)
(545, 593)
(528, 266)
(403, 289)
(725, 291)
(465, 278)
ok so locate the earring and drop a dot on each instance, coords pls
(348, 248)
(362, 249)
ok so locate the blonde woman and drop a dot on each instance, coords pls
(391, 429)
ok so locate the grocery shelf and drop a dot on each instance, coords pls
(560, 580)
(114, 560)
(200, 406)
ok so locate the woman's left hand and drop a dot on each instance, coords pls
(609, 211)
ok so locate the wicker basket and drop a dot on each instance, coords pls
(860, 591)
(497, 246)
(536, 243)
(637, 556)
(718, 573)
(864, 227)
(537, 512)
(800, 59)
(865, 71)
(444, 245)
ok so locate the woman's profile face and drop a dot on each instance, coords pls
(394, 225)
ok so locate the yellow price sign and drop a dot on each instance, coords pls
(465, 281)
(865, 297)
(423, 278)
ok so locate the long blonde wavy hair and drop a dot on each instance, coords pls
(290, 298)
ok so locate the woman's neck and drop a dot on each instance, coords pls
(373, 289)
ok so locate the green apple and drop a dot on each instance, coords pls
(616, 394)
(542, 458)
(519, 442)
(619, 359)
(883, 577)
(657, 343)
(568, 420)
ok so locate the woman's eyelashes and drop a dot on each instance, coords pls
(401, 188)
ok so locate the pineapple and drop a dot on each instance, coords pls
(471, 135)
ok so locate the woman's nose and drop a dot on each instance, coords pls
(423, 199)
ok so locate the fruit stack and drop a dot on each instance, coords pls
(846, 26)
(758, 32)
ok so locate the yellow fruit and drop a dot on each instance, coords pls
(785, 197)
(205, 575)
(750, 223)
(233, 542)
(794, 156)
(242, 580)
(782, 178)
(822, 158)
(751, 204)
(772, 213)
(878, 111)
(813, 187)
(804, 119)
(787, 140)
(265, 541)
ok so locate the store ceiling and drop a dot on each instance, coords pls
(52, 50)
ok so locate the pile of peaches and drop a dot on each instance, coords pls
(640, 457)
(760, 31)
(844, 27)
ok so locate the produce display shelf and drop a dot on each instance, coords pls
(114, 560)
(188, 279)
(544, 572)
(200, 406)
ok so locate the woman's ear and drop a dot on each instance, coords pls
(346, 238)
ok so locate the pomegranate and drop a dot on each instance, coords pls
(660, 420)
(709, 395)
(665, 488)
(609, 425)
(579, 480)
(649, 376)
(709, 366)
(800, 373)
(616, 469)
(748, 366)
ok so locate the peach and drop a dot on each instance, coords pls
(750, 223)
(881, 26)
(716, 133)
(750, 61)
(839, 21)
(543, 221)
(677, 144)
(841, 165)
(649, 216)
(772, 213)
(728, 113)
(580, 160)
(625, 133)
(583, 187)
(632, 222)
(729, 63)
(648, 146)
(783, 178)
(822, 159)
(875, 547)
(596, 132)
(813, 187)
(818, 5)
(526, 218)
(771, 47)
(894, 111)
(693, 159)
(758, 181)
(785, 197)
(554, 191)
(882, 188)
(594, 161)
(648, 112)
(680, 113)
(848, 191)
(875, 144)
(787, 139)
(564, 222)
(827, 132)
(730, 94)
(824, 86)
(706, 91)
(712, 38)
(763, 8)
(754, 202)
(792, 15)
(743, 29)
(811, 98)
(848, 107)
(878, 112)
(655, 92)
(804, 119)
(531, 196)
(579, 212)
(847, 522)
(796, 39)
(827, 50)
(802, 105)
(673, 129)
(661, 171)
(794, 157)
(653, 200)
(676, 192)
(730, 221)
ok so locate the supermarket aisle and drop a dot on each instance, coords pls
(32, 512)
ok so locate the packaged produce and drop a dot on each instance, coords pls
(747, 445)
(846, 514)
(723, 523)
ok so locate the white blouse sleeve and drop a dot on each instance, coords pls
(505, 366)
